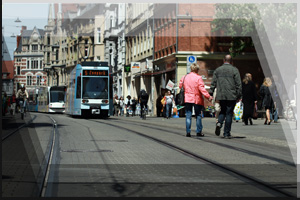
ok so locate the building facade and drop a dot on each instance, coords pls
(139, 50)
(29, 59)
(114, 38)
(74, 35)
(183, 30)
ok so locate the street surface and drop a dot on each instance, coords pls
(131, 157)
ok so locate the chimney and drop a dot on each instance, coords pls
(18, 40)
(23, 28)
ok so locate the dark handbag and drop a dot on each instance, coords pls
(255, 113)
(181, 95)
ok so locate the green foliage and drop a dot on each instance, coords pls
(243, 20)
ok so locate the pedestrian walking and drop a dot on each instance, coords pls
(169, 104)
(122, 106)
(13, 103)
(163, 103)
(276, 97)
(128, 105)
(133, 105)
(116, 105)
(249, 98)
(159, 106)
(193, 90)
(4, 103)
(228, 81)
(267, 100)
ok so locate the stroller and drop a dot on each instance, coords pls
(129, 111)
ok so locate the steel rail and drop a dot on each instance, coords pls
(203, 159)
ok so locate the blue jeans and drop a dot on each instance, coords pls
(227, 107)
(188, 117)
(168, 107)
(275, 115)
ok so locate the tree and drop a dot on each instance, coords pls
(243, 20)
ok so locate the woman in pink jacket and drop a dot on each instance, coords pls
(193, 91)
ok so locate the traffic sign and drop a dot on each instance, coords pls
(190, 61)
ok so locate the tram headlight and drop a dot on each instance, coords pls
(105, 101)
(85, 101)
(50, 104)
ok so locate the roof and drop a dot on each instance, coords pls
(5, 52)
(19, 48)
(8, 68)
(28, 33)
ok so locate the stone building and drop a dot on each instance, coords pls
(73, 36)
(139, 50)
(183, 30)
(29, 59)
(114, 38)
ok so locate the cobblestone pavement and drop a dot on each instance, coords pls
(103, 158)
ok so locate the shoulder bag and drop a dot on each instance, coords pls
(181, 95)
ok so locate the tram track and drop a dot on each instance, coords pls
(229, 170)
(227, 146)
(46, 173)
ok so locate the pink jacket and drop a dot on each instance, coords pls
(194, 89)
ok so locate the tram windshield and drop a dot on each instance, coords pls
(95, 88)
(57, 95)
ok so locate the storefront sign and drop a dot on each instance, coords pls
(135, 67)
(170, 85)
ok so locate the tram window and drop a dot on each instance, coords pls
(57, 95)
(95, 88)
(78, 92)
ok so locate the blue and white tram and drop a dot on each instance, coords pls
(51, 99)
(88, 90)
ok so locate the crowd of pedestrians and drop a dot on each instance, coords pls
(132, 106)
(226, 90)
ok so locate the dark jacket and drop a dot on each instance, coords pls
(143, 96)
(228, 81)
(249, 96)
(265, 93)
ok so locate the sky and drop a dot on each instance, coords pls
(30, 14)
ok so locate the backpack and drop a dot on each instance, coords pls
(144, 94)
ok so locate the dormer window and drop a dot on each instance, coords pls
(35, 37)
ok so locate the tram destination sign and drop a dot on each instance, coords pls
(95, 72)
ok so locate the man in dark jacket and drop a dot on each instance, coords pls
(143, 100)
(228, 81)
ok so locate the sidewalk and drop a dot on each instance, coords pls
(12, 123)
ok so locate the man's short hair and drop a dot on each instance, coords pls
(228, 58)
